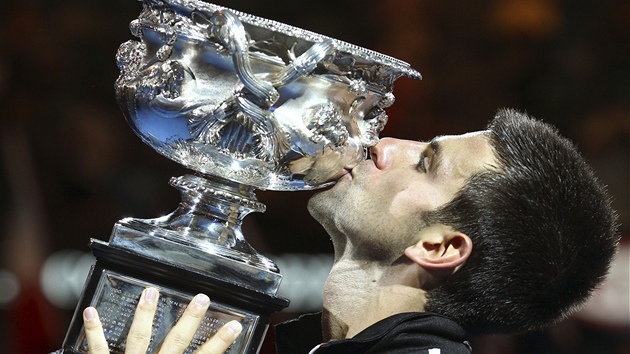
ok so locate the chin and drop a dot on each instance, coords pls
(322, 204)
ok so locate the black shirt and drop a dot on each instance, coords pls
(414, 332)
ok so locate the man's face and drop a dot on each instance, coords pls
(378, 204)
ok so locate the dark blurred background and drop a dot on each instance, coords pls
(71, 166)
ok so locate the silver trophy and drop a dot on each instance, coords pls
(247, 103)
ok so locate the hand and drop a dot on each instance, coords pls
(176, 340)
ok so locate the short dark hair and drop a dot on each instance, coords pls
(542, 228)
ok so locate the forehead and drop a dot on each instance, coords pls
(477, 137)
(463, 155)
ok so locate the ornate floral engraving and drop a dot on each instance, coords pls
(373, 126)
(325, 125)
(358, 87)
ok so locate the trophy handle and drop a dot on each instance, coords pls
(229, 30)
(258, 95)
(305, 63)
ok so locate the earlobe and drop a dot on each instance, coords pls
(440, 249)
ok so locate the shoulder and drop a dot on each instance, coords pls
(419, 332)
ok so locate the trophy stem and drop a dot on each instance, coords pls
(211, 211)
(204, 233)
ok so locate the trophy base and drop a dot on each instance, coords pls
(118, 278)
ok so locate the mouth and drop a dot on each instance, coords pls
(346, 173)
(346, 169)
(350, 171)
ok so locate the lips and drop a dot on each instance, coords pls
(351, 170)
(347, 172)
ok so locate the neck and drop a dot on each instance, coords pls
(359, 293)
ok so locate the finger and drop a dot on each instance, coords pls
(97, 344)
(140, 331)
(178, 339)
(222, 339)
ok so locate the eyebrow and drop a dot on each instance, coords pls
(436, 159)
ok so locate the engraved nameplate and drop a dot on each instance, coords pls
(116, 299)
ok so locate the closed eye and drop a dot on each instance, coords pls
(423, 163)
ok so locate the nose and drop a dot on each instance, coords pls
(382, 154)
(389, 151)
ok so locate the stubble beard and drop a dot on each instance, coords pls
(369, 243)
(321, 206)
(344, 220)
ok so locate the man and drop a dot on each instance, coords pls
(499, 231)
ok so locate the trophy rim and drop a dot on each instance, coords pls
(298, 32)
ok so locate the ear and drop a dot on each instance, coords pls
(440, 248)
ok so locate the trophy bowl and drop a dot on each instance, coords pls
(252, 100)
(246, 103)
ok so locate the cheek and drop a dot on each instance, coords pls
(410, 202)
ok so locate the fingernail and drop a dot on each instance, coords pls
(234, 327)
(150, 295)
(201, 300)
(89, 314)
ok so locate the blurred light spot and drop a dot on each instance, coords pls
(533, 18)
(610, 305)
(9, 287)
(303, 278)
(63, 275)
